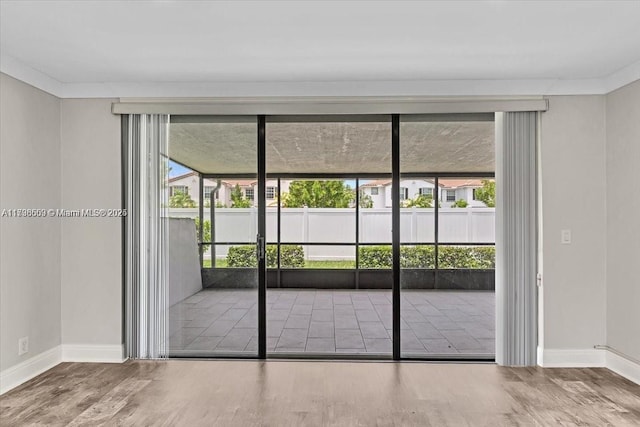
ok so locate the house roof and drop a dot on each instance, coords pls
(184, 175)
(460, 183)
(377, 183)
(240, 182)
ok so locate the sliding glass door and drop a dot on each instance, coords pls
(331, 236)
(214, 220)
(447, 236)
(332, 220)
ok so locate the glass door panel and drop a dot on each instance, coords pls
(447, 261)
(214, 310)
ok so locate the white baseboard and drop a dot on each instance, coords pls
(571, 358)
(22, 372)
(621, 366)
(589, 358)
(93, 353)
(34, 366)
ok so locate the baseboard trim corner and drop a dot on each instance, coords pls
(624, 367)
(93, 353)
(16, 375)
(571, 358)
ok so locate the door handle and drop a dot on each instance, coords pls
(260, 249)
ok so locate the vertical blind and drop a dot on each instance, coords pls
(516, 239)
(145, 149)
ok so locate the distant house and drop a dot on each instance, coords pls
(450, 191)
(189, 183)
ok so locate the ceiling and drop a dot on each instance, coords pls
(265, 48)
(214, 145)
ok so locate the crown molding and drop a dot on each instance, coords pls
(381, 88)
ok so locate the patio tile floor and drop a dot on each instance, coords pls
(216, 322)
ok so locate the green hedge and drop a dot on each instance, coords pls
(424, 257)
(375, 257)
(245, 256)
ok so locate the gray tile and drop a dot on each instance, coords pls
(252, 346)
(323, 304)
(424, 330)
(409, 342)
(234, 342)
(301, 309)
(344, 310)
(345, 322)
(378, 345)
(200, 323)
(321, 345)
(219, 328)
(367, 316)
(322, 315)
(373, 330)
(349, 338)
(362, 304)
(439, 346)
(271, 343)
(412, 315)
(234, 314)
(274, 328)
(341, 299)
(204, 343)
(321, 330)
(293, 338)
(250, 320)
(278, 314)
(296, 321)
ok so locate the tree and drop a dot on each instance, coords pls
(487, 193)
(206, 233)
(181, 200)
(365, 200)
(238, 200)
(422, 201)
(318, 194)
(460, 203)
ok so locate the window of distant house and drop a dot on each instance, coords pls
(404, 193)
(474, 194)
(175, 189)
(207, 191)
(374, 191)
(426, 191)
(271, 192)
(248, 193)
(450, 195)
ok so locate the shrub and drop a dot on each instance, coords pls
(245, 256)
(375, 257)
(291, 256)
(466, 257)
(417, 257)
(206, 233)
(381, 257)
(460, 203)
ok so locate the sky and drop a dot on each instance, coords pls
(176, 170)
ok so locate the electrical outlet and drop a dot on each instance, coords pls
(23, 346)
(565, 237)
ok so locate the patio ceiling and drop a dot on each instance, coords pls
(227, 145)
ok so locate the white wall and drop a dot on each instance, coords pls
(184, 261)
(91, 247)
(573, 193)
(623, 227)
(30, 248)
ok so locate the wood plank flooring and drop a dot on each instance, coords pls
(315, 393)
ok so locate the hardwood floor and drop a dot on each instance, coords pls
(314, 393)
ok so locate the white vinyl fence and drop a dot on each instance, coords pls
(327, 225)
